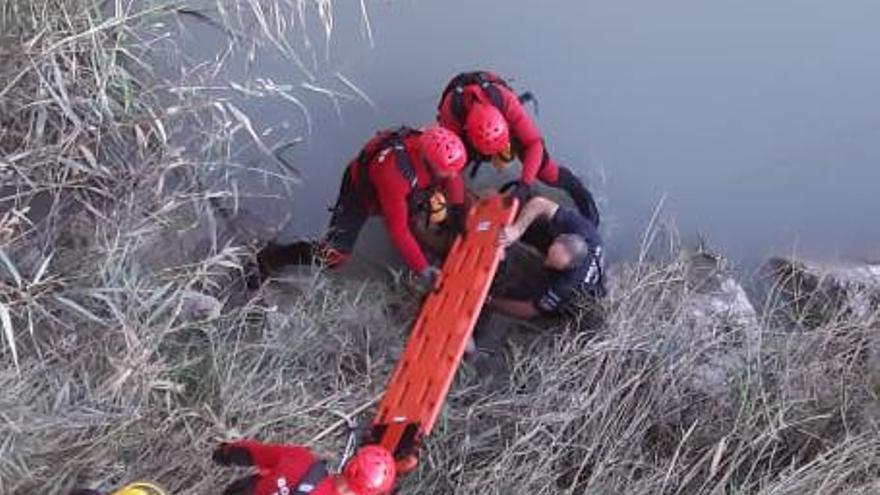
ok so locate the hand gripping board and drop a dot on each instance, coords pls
(421, 380)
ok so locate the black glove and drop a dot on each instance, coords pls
(429, 276)
(522, 192)
(242, 486)
(228, 455)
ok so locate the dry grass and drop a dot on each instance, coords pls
(109, 226)
(607, 414)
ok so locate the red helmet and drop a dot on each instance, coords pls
(443, 148)
(487, 129)
(371, 471)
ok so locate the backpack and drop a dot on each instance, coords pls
(420, 201)
(393, 139)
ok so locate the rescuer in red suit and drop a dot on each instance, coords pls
(397, 173)
(493, 123)
(295, 470)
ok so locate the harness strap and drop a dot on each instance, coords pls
(404, 165)
(384, 140)
(529, 97)
(316, 473)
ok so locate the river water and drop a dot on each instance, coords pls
(755, 124)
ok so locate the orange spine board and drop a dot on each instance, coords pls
(424, 374)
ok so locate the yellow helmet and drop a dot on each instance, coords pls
(140, 488)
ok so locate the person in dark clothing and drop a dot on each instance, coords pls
(573, 259)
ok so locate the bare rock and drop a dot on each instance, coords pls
(694, 317)
(814, 293)
(199, 306)
(836, 305)
(715, 301)
(717, 319)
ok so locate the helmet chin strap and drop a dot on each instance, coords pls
(430, 167)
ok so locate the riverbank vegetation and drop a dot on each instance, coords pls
(132, 342)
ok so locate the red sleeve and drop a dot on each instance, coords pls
(454, 188)
(524, 129)
(268, 455)
(392, 194)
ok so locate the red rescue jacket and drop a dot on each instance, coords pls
(392, 194)
(283, 468)
(526, 138)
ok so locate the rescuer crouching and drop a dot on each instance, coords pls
(398, 174)
(295, 470)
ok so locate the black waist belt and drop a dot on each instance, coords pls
(316, 473)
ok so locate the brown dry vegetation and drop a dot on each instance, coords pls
(112, 368)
